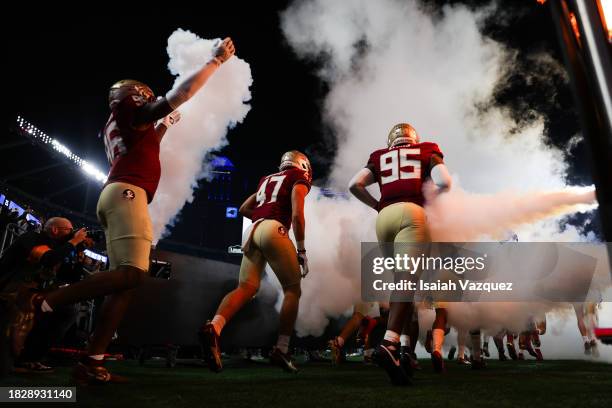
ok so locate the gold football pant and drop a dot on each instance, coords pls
(402, 222)
(270, 243)
(124, 214)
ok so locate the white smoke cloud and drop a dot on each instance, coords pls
(219, 105)
(388, 62)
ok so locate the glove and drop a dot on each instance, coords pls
(225, 50)
(303, 261)
(171, 119)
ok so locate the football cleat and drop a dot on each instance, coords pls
(388, 358)
(282, 360)
(521, 356)
(209, 340)
(587, 348)
(35, 367)
(406, 361)
(451, 353)
(92, 372)
(438, 362)
(463, 361)
(478, 364)
(594, 349)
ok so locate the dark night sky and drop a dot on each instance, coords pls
(59, 68)
(64, 67)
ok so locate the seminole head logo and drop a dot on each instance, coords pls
(128, 194)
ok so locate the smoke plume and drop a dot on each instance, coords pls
(219, 105)
(388, 62)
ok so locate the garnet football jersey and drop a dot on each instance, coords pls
(132, 153)
(274, 195)
(401, 170)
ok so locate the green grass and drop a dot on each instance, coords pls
(536, 384)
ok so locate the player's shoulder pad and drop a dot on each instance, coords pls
(378, 152)
(431, 147)
(299, 176)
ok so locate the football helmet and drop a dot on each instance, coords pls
(402, 133)
(130, 87)
(294, 158)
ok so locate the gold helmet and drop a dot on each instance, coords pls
(293, 158)
(129, 87)
(402, 133)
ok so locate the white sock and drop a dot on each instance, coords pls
(340, 341)
(283, 343)
(45, 307)
(585, 339)
(218, 322)
(97, 357)
(438, 339)
(476, 346)
(461, 352)
(392, 336)
(405, 340)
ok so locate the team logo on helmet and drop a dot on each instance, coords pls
(294, 158)
(130, 88)
(402, 133)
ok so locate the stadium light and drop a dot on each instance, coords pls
(605, 10)
(54, 144)
(95, 256)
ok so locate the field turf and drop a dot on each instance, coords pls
(556, 383)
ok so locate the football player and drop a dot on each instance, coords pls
(277, 206)
(361, 311)
(439, 329)
(132, 137)
(477, 359)
(400, 170)
(587, 319)
(498, 339)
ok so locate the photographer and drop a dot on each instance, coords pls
(30, 264)
(52, 328)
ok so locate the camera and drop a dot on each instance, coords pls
(96, 235)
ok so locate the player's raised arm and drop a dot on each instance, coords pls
(162, 107)
(191, 85)
(358, 184)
